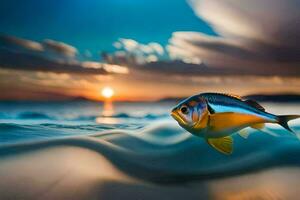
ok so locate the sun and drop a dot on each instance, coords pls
(107, 92)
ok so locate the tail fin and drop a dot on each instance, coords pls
(283, 121)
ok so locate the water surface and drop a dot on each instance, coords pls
(142, 142)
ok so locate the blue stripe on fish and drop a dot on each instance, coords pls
(226, 103)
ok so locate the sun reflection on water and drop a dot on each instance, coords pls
(107, 113)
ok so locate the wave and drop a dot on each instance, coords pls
(18, 133)
(33, 115)
(146, 116)
(44, 116)
(15, 132)
(72, 156)
(150, 154)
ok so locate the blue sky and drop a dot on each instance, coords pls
(95, 24)
(172, 47)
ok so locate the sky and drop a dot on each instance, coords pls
(147, 50)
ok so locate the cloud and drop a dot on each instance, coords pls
(262, 21)
(137, 53)
(14, 42)
(258, 37)
(109, 68)
(60, 48)
(49, 55)
(152, 58)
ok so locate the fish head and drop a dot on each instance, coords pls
(191, 113)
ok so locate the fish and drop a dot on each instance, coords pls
(216, 117)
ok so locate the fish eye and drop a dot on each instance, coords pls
(184, 109)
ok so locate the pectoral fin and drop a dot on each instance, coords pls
(223, 145)
(244, 134)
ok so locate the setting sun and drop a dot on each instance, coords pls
(107, 92)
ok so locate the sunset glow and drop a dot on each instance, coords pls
(107, 92)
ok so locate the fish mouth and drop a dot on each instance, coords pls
(177, 117)
(174, 113)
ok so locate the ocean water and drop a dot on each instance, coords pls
(142, 141)
(28, 121)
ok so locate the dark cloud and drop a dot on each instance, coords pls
(23, 61)
(19, 43)
(60, 48)
(256, 37)
(272, 22)
(52, 56)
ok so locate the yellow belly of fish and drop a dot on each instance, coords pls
(226, 122)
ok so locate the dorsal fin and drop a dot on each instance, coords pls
(254, 104)
(233, 95)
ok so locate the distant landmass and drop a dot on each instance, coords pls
(284, 98)
(167, 99)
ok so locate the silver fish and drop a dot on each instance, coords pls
(215, 117)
